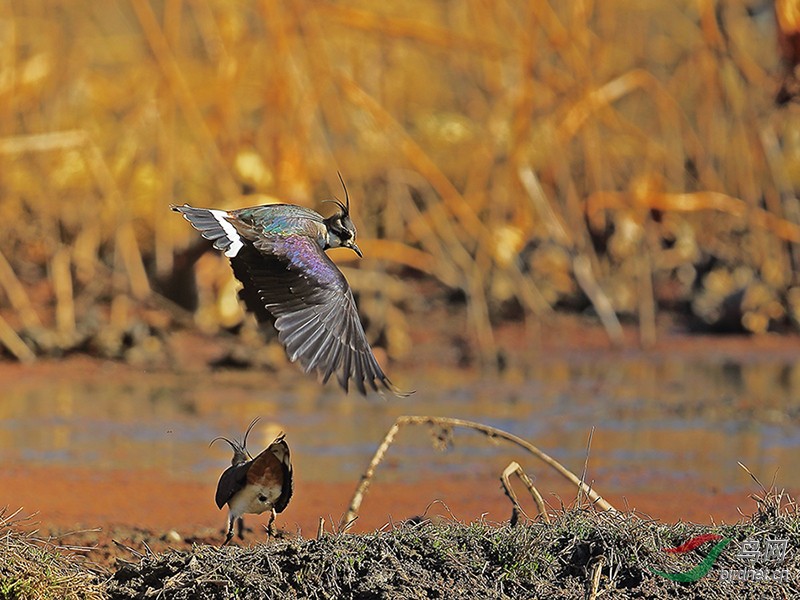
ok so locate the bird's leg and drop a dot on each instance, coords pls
(229, 535)
(270, 525)
(240, 527)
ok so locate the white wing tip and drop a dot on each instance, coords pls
(230, 232)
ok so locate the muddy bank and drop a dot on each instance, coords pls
(580, 553)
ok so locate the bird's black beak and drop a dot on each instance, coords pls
(356, 249)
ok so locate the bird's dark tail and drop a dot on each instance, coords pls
(214, 226)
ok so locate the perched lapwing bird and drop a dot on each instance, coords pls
(255, 485)
(277, 252)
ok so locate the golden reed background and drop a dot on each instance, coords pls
(621, 155)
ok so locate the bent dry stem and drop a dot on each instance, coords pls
(447, 422)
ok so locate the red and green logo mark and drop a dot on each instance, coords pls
(705, 565)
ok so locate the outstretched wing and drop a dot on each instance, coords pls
(314, 310)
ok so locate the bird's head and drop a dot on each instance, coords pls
(240, 453)
(341, 230)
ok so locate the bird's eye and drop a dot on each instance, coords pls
(262, 498)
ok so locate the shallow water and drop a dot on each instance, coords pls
(662, 423)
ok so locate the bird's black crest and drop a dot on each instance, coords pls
(239, 447)
(346, 206)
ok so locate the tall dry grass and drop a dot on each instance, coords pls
(619, 155)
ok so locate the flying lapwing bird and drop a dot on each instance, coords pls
(277, 252)
(255, 485)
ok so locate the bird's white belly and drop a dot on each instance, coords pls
(249, 499)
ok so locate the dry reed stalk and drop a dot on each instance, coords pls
(594, 580)
(581, 264)
(417, 157)
(208, 31)
(400, 254)
(514, 468)
(670, 115)
(582, 268)
(375, 283)
(447, 422)
(523, 95)
(366, 478)
(120, 313)
(391, 217)
(44, 142)
(478, 315)
(790, 205)
(8, 66)
(420, 229)
(320, 57)
(472, 278)
(320, 528)
(62, 289)
(125, 243)
(647, 301)
(453, 247)
(695, 202)
(597, 99)
(564, 40)
(401, 28)
(183, 94)
(86, 253)
(18, 296)
(293, 97)
(14, 344)
(125, 238)
(172, 21)
(488, 19)
(553, 223)
(163, 238)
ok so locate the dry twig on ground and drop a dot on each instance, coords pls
(445, 423)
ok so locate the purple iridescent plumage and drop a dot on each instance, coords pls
(306, 257)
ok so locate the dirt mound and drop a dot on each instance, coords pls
(582, 553)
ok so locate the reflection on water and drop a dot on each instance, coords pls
(660, 423)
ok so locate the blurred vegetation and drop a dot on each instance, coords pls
(521, 157)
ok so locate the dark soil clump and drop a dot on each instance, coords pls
(453, 560)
